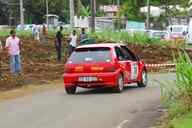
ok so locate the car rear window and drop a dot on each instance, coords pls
(89, 55)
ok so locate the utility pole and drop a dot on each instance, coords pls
(93, 15)
(47, 13)
(21, 13)
(118, 3)
(71, 6)
(148, 14)
(1, 49)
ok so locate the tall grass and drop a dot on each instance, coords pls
(136, 38)
(4, 33)
(26, 33)
(139, 38)
(184, 80)
(177, 96)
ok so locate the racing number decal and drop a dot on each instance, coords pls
(134, 71)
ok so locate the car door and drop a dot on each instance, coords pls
(122, 63)
(131, 63)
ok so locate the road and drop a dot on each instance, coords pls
(134, 108)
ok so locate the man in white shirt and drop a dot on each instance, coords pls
(12, 46)
(73, 42)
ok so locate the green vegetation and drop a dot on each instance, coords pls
(183, 122)
(110, 36)
(5, 33)
(179, 97)
(36, 9)
(139, 38)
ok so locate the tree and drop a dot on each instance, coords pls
(36, 9)
(131, 10)
(3, 12)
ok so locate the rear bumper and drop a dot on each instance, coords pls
(108, 79)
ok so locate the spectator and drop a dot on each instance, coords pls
(37, 33)
(72, 41)
(58, 43)
(13, 44)
(33, 31)
(1, 47)
(83, 35)
(44, 35)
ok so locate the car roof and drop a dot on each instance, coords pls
(109, 45)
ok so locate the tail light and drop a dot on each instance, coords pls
(97, 69)
(74, 69)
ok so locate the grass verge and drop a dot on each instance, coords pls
(178, 97)
(184, 121)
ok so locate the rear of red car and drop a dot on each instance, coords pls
(91, 67)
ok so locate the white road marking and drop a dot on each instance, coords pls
(122, 124)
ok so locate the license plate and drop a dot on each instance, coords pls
(87, 79)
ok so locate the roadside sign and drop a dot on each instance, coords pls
(135, 25)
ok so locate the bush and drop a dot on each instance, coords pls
(139, 38)
(184, 80)
(178, 96)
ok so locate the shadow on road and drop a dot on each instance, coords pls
(104, 91)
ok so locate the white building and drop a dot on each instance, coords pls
(52, 19)
(154, 11)
(110, 10)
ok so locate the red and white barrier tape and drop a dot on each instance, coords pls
(159, 65)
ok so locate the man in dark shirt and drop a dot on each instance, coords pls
(83, 35)
(58, 43)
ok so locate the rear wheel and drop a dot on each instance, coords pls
(144, 79)
(120, 84)
(70, 90)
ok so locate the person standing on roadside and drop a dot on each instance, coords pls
(12, 46)
(72, 41)
(33, 31)
(44, 34)
(58, 43)
(1, 49)
(83, 35)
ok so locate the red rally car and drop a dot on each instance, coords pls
(103, 66)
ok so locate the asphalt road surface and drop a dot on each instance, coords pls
(134, 108)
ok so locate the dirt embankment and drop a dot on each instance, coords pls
(40, 65)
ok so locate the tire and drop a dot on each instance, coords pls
(144, 80)
(120, 84)
(71, 90)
